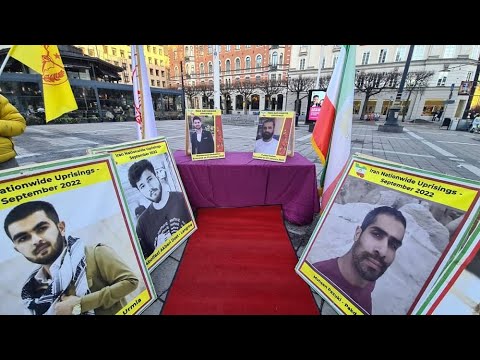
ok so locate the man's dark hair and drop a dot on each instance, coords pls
(136, 170)
(26, 209)
(388, 210)
(315, 96)
(196, 118)
(269, 120)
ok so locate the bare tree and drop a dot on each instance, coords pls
(225, 90)
(323, 82)
(244, 88)
(270, 87)
(206, 90)
(300, 85)
(190, 92)
(374, 83)
(415, 81)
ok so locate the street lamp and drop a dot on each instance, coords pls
(391, 124)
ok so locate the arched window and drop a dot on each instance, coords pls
(237, 64)
(192, 69)
(210, 70)
(186, 50)
(191, 50)
(202, 69)
(258, 61)
(176, 71)
(239, 102)
(247, 63)
(281, 59)
(274, 58)
(227, 65)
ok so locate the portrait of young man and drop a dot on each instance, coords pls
(167, 211)
(375, 244)
(71, 278)
(201, 140)
(267, 143)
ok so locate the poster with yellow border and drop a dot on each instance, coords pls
(275, 136)
(68, 245)
(384, 234)
(156, 199)
(204, 134)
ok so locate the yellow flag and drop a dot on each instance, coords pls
(45, 59)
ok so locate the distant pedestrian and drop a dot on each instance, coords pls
(13, 124)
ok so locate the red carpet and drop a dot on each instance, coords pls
(239, 261)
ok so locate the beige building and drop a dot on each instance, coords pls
(156, 59)
(451, 64)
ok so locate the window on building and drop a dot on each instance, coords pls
(302, 64)
(279, 77)
(418, 52)
(163, 73)
(151, 72)
(248, 46)
(157, 73)
(247, 63)
(163, 83)
(152, 82)
(442, 78)
(105, 49)
(90, 52)
(227, 47)
(323, 63)
(449, 51)
(400, 54)
(382, 56)
(124, 66)
(186, 50)
(469, 75)
(174, 55)
(210, 50)
(191, 50)
(192, 69)
(365, 57)
(200, 50)
(258, 61)
(115, 63)
(237, 47)
(148, 48)
(114, 51)
(237, 64)
(281, 59)
(122, 54)
(149, 60)
(274, 58)
(334, 60)
(227, 65)
(258, 78)
(210, 67)
(158, 83)
(160, 51)
(202, 69)
(272, 77)
(176, 71)
(155, 52)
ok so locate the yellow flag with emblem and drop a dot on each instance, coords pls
(45, 59)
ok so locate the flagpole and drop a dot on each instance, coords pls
(4, 62)
(216, 78)
(140, 87)
(317, 83)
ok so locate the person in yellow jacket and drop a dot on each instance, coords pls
(12, 123)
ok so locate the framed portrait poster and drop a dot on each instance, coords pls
(204, 134)
(156, 199)
(275, 138)
(384, 234)
(69, 247)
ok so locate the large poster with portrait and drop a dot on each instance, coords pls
(204, 134)
(275, 137)
(315, 102)
(68, 246)
(383, 235)
(156, 199)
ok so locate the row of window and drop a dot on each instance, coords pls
(190, 70)
(228, 81)
(189, 49)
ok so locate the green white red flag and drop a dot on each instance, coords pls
(331, 137)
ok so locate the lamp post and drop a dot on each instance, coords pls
(391, 124)
(183, 89)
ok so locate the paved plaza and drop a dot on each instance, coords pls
(422, 145)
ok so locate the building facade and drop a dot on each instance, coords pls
(453, 68)
(265, 67)
(156, 59)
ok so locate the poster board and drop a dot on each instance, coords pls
(162, 222)
(85, 195)
(275, 138)
(387, 276)
(315, 102)
(204, 134)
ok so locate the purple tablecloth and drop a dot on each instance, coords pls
(239, 181)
